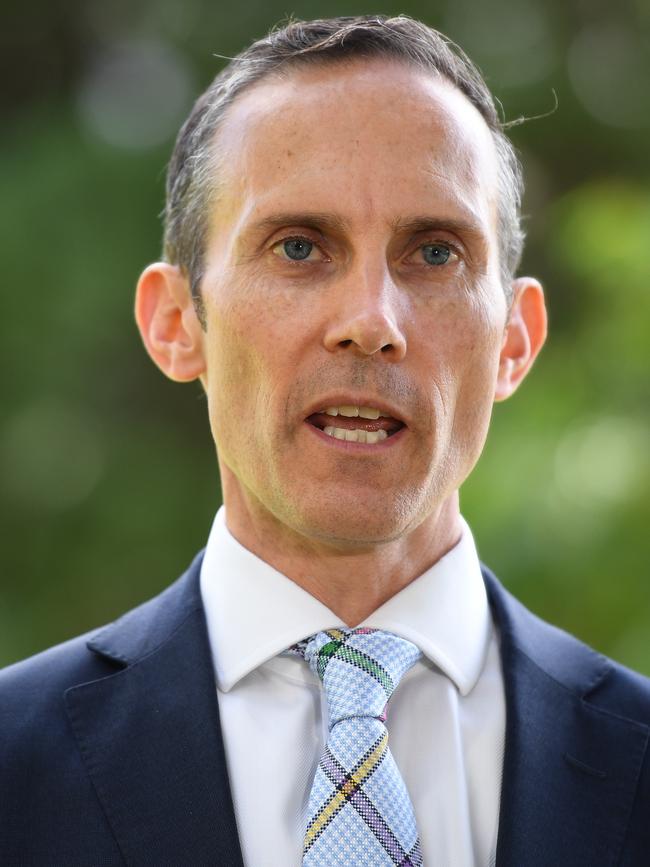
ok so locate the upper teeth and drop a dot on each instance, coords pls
(354, 411)
(356, 436)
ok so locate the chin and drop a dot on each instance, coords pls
(358, 524)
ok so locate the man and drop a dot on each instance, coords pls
(342, 234)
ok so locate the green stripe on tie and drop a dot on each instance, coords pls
(367, 664)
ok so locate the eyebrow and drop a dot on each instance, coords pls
(329, 222)
(415, 225)
(311, 220)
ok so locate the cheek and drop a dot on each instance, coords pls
(463, 335)
(465, 344)
(478, 353)
(236, 331)
(232, 373)
(249, 357)
(232, 365)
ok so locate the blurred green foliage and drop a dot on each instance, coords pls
(108, 480)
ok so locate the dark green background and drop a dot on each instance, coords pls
(107, 472)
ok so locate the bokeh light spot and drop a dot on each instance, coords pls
(602, 463)
(135, 94)
(51, 456)
(609, 68)
(513, 40)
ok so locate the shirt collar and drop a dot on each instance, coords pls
(254, 612)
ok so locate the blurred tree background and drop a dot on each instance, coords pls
(108, 479)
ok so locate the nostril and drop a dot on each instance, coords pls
(345, 342)
(387, 347)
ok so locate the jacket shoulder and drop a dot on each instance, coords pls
(50, 811)
(45, 794)
(603, 682)
(32, 694)
(623, 692)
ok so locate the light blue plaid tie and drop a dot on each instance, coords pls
(359, 809)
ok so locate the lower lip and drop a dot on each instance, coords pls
(359, 448)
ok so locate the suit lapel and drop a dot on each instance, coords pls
(151, 741)
(150, 735)
(570, 766)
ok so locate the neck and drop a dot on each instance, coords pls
(323, 569)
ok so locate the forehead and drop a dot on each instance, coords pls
(374, 138)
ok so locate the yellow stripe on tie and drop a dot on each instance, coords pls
(340, 796)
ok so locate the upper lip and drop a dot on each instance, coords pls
(356, 400)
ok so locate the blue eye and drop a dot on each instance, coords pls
(436, 254)
(297, 248)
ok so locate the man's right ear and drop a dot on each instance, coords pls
(168, 324)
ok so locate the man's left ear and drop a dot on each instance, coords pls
(524, 335)
(168, 324)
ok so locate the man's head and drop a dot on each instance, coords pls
(194, 170)
(349, 259)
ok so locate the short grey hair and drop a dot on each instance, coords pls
(191, 181)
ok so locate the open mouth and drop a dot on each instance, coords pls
(356, 424)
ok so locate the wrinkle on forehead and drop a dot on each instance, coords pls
(375, 129)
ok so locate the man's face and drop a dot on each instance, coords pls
(352, 262)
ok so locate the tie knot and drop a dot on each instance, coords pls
(360, 669)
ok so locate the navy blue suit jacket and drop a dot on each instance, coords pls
(111, 750)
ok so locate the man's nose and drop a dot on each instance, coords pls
(365, 316)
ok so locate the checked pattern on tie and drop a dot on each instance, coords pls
(359, 811)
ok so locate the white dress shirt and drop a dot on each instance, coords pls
(446, 720)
